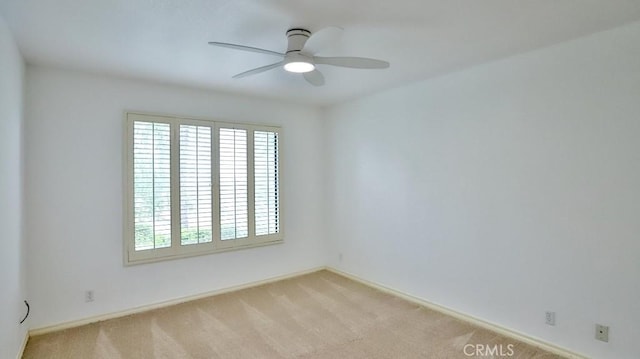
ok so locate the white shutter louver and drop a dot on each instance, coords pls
(234, 216)
(195, 185)
(151, 185)
(266, 183)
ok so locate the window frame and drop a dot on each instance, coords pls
(177, 250)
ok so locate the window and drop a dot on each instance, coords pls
(196, 186)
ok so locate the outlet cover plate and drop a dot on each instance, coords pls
(602, 333)
(550, 318)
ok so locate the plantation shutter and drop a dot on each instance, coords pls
(151, 185)
(234, 216)
(195, 185)
(266, 183)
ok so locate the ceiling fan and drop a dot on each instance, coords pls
(300, 55)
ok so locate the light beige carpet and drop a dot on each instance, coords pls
(320, 315)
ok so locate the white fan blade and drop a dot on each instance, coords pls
(258, 70)
(314, 77)
(353, 62)
(246, 48)
(321, 39)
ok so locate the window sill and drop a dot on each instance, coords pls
(132, 262)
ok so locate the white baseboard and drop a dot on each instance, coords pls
(144, 308)
(466, 317)
(24, 345)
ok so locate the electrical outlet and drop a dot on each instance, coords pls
(550, 318)
(88, 296)
(602, 333)
(340, 257)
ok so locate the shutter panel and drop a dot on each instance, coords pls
(195, 185)
(151, 185)
(233, 184)
(266, 183)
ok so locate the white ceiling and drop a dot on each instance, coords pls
(166, 40)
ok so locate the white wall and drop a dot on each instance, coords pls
(502, 191)
(74, 135)
(12, 263)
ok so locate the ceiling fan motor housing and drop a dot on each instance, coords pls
(297, 39)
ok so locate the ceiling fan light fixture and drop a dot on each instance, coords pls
(299, 67)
